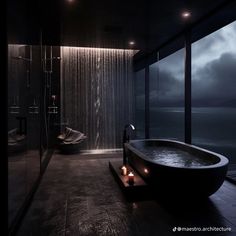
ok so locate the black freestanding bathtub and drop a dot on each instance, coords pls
(177, 169)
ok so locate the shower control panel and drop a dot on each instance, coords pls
(53, 109)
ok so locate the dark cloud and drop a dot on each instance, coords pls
(212, 85)
(208, 43)
(174, 64)
(169, 92)
(215, 83)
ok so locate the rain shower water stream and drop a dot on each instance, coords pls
(97, 93)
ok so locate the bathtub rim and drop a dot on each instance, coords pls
(223, 161)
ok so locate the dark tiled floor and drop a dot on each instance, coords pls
(23, 171)
(78, 196)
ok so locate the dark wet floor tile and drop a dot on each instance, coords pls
(78, 196)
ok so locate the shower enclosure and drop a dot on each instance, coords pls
(33, 99)
(23, 124)
(33, 115)
(50, 98)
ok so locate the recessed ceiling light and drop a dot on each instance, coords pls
(131, 43)
(70, 1)
(186, 14)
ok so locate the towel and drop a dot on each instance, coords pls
(71, 136)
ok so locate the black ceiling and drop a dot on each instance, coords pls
(113, 23)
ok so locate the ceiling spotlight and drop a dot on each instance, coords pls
(131, 43)
(186, 14)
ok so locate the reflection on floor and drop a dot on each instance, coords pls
(79, 196)
(23, 170)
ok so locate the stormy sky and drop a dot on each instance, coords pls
(213, 73)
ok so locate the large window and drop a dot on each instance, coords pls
(140, 103)
(167, 97)
(214, 92)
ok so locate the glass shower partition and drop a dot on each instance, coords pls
(23, 125)
(50, 97)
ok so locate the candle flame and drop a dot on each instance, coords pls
(131, 174)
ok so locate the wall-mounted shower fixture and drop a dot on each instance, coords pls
(22, 58)
(34, 109)
(15, 108)
(27, 60)
(53, 58)
(48, 77)
(47, 63)
(53, 109)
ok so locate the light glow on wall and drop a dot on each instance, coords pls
(100, 49)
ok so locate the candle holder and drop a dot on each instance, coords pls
(131, 178)
(124, 170)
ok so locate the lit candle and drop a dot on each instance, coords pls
(124, 170)
(131, 178)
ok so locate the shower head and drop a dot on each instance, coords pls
(22, 58)
(53, 58)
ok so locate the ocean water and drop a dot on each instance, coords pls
(213, 128)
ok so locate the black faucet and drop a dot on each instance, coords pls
(126, 140)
